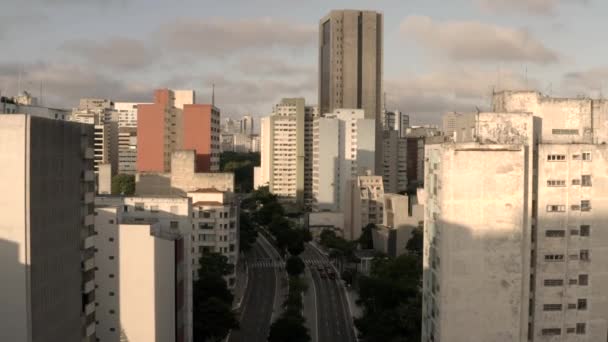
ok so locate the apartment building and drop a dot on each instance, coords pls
(141, 293)
(344, 148)
(399, 219)
(246, 125)
(104, 121)
(174, 122)
(46, 232)
(285, 143)
(365, 205)
(394, 162)
(172, 214)
(449, 124)
(215, 217)
(127, 150)
(556, 245)
(127, 113)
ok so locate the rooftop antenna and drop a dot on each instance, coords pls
(213, 94)
(19, 80)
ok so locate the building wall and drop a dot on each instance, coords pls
(365, 205)
(151, 133)
(475, 250)
(326, 158)
(200, 134)
(48, 165)
(394, 171)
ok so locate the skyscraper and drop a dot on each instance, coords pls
(350, 65)
(247, 125)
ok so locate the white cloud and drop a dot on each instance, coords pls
(118, 52)
(475, 41)
(535, 7)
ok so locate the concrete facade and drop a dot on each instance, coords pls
(141, 291)
(286, 150)
(399, 220)
(24, 103)
(351, 64)
(344, 148)
(394, 162)
(365, 205)
(46, 234)
(104, 179)
(127, 150)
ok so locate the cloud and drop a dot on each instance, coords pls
(119, 52)
(219, 36)
(428, 96)
(14, 24)
(590, 82)
(269, 65)
(64, 85)
(534, 7)
(475, 41)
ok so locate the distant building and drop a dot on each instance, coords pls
(182, 125)
(255, 144)
(47, 230)
(230, 126)
(399, 220)
(343, 148)
(247, 127)
(24, 103)
(396, 121)
(127, 113)
(350, 65)
(127, 150)
(449, 124)
(365, 205)
(285, 141)
(394, 171)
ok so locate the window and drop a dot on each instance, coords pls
(587, 156)
(552, 307)
(232, 247)
(111, 275)
(125, 208)
(551, 332)
(556, 183)
(573, 282)
(586, 180)
(584, 255)
(555, 233)
(554, 257)
(556, 208)
(576, 157)
(575, 207)
(111, 221)
(573, 232)
(571, 306)
(111, 294)
(576, 181)
(556, 157)
(581, 304)
(554, 282)
(561, 131)
(111, 257)
(174, 224)
(580, 328)
(111, 239)
(154, 208)
(583, 279)
(139, 206)
(570, 330)
(585, 230)
(585, 205)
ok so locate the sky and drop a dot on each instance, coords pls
(439, 55)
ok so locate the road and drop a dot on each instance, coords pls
(257, 306)
(333, 317)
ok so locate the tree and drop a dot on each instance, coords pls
(247, 234)
(288, 329)
(365, 240)
(214, 264)
(294, 266)
(213, 320)
(241, 164)
(414, 244)
(123, 184)
(212, 286)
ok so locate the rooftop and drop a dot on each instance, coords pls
(207, 190)
(207, 203)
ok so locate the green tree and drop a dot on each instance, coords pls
(213, 319)
(365, 240)
(288, 329)
(123, 184)
(212, 286)
(247, 233)
(294, 266)
(414, 244)
(241, 164)
(214, 264)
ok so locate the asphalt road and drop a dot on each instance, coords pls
(333, 317)
(257, 306)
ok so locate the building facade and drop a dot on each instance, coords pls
(399, 219)
(47, 231)
(394, 162)
(246, 124)
(343, 148)
(25, 103)
(365, 205)
(285, 140)
(174, 122)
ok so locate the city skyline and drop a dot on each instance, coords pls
(431, 64)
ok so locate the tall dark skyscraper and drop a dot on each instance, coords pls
(350, 64)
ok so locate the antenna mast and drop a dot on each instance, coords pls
(213, 94)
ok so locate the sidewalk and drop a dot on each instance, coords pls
(309, 303)
(281, 278)
(242, 280)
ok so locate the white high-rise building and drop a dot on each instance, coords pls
(247, 125)
(47, 231)
(343, 148)
(513, 245)
(285, 141)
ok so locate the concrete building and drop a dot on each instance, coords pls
(46, 231)
(399, 219)
(24, 103)
(141, 283)
(216, 228)
(236, 142)
(285, 143)
(247, 127)
(394, 162)
(551, 240)
(317, 222)
(396, 121)
(173, 122)
(365, 205)
(351, 65)
(169, 214)
(127, 150)
(127, 113)
(230, 126)
(104, 179)
(449, 124)
(104, 121)
(344, 148)
(255, 144)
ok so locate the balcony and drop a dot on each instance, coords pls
(89, 153)
(89, 286)
(89, 264)
(89, 176)
(89, 308)
(91, 329)
(89, 219)
(89, 197)
(89, 242)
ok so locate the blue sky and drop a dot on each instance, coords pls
(439, 55)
